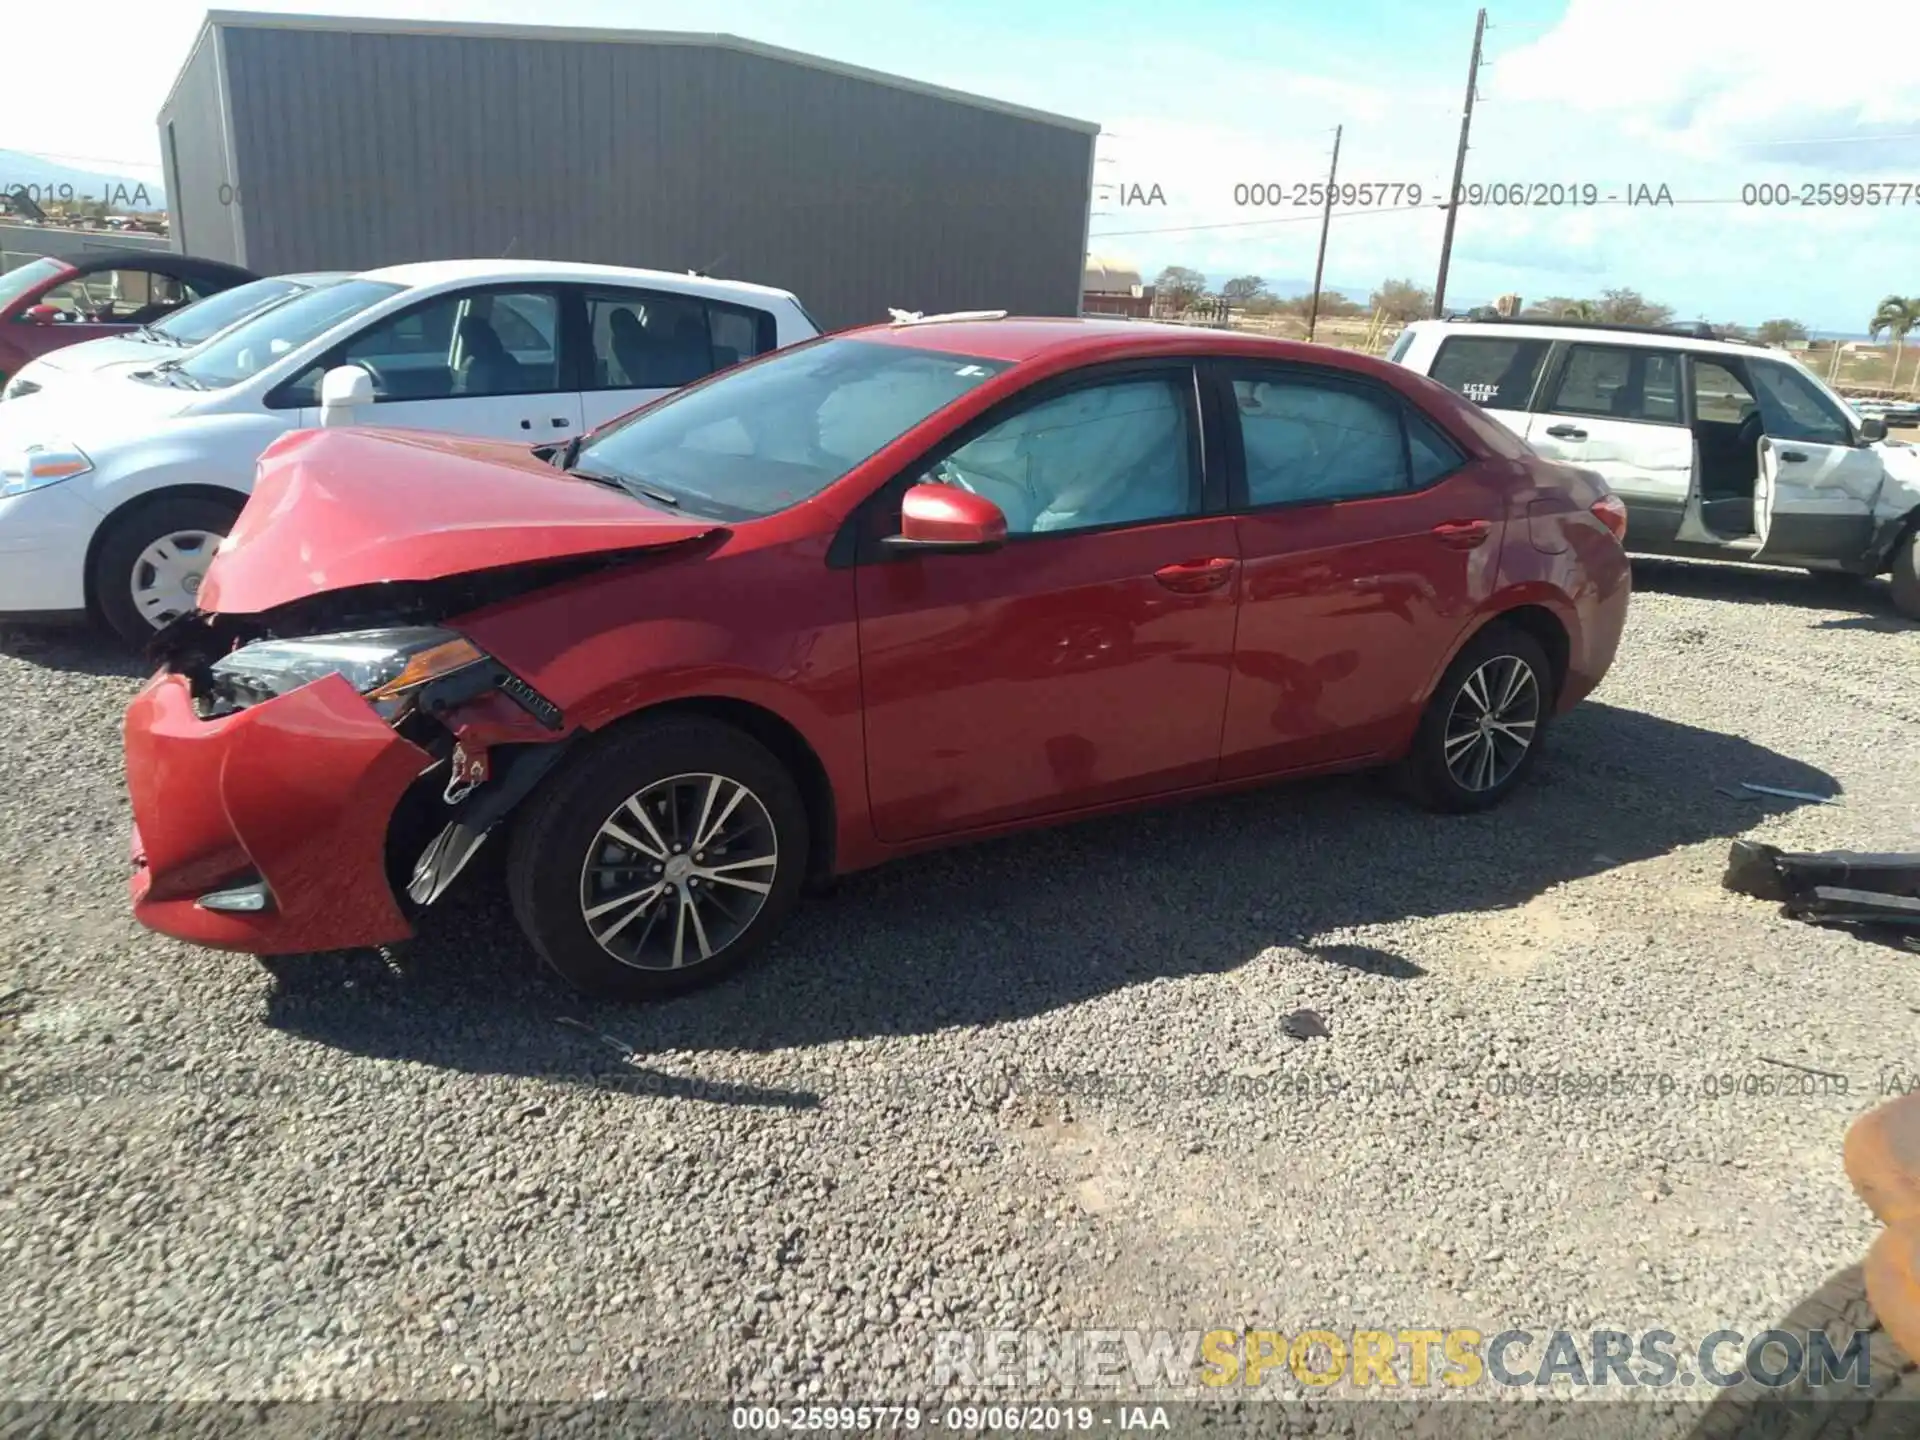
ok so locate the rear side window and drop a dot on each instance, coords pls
(1617, 383)
(1430, 453)
(1307, 439)
(1491, 370)
(654, 340)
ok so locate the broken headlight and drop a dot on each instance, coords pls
(388, 667)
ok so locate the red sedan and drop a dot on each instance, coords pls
(50, 303)
(892, 589)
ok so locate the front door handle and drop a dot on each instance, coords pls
(560, 422)
(1792, 457)
(1566, 432)
(1196, 577)
(1462, 534)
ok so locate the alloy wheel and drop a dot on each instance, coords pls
(166, 578)
(1492, 724)
(678, 872)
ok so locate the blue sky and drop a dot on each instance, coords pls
(1701, 96)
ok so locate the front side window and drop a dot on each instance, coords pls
(784, 428)
(118, 297)
(463, 346)
(649, 340)
(1116, 453)
(271, 335)
(1618, 383)
(1306, 439)
(1794, 409)
(1491, 370)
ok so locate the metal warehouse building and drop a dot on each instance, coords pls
(299, 143)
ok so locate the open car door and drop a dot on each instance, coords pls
(1815, 501)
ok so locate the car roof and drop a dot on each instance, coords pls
(161, 262)
(1022, 338)
(1646, 337)
(445, 272)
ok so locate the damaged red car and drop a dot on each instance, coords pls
(892, 589)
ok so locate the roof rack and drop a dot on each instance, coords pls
(914, 317)
(1693, 329)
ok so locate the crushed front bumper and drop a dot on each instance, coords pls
(297, 791)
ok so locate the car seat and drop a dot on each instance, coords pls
(487, 369)
(629, 340)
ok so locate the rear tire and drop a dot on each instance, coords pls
(148, 568)
(1459, 764)
(625, 881)
(1906, 574)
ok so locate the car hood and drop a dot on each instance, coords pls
(90, 410)
(336, 509)
(107, 350)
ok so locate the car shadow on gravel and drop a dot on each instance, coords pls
(1864, 602)
(1015, 928)
(74, 649)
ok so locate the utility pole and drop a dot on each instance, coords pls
(1459, 168)
(1326, 220)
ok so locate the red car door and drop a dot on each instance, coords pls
(1367, 543)
(1086, 660)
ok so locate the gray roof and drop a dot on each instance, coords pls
(362, 26)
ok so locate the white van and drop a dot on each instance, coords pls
(1721, 449)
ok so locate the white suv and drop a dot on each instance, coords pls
(116, 489)
(1720, 449)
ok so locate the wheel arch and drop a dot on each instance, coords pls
(1536, 618)
(787, 744)
(121, 514)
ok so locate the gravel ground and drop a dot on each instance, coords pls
(1043, 1083)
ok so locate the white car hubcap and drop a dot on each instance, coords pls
(166, 578)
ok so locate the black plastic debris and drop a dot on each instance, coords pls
(1829, 887)
(1305, 1025)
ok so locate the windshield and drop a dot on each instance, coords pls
(16, 283)
(206, 318)
(269, 336)
(758, 440)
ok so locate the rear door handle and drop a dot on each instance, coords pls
(1196, 577)
(1792, 457)
(1462, 534)
(1566, 432)
(559, 422)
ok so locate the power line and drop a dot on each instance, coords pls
(1290, 220)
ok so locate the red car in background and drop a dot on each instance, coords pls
(51, 302)
(895, 588)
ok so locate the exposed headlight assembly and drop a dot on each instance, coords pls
(389, 667)
(19, 386)
(40, 465)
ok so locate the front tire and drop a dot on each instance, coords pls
(1905, 577)
(148, 569)
(660, 860)
(1483, 728)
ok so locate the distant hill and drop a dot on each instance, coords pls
(50, 180)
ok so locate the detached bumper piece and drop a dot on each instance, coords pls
(1830, 887)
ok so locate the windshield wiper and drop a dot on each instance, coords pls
(158, 337)
(631, 487)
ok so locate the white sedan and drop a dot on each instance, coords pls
(115, 492)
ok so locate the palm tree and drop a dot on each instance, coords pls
(1896, 316)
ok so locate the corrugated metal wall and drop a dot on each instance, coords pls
(194, 153)
(367, 149)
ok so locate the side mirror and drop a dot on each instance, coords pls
(945, 519)
(343, 389)
(43, 314)
(1873, 428)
